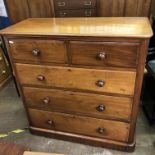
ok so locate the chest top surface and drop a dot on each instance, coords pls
(136, 27)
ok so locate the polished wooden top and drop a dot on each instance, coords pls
(138, 27)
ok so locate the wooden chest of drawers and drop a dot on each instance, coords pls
(80, 79)
(70, 8)
(4, 70)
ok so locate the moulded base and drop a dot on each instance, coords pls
(84, 139)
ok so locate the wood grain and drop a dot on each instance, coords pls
(17, 10)
(49, 50)
(40, 8)
(80, 125)
(79, 103)
(81, 84)
(131, 8)
(116, 53)
(118, 82)
(11, 149)
(39, 153)
(110, 8)
(99, 27)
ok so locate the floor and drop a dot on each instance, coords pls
(12, 117)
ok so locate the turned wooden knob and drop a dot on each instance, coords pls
(50, 122)
(46, 100)
(3, 72)
(101, 108)
(36, 52)
(101, 56)
(41, 77)
(1, 58)
(100, 130)
(100, 83)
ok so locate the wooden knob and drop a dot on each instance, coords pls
(100, 83)
(101, 56)
(4, 72)
(50, 122)
(41, 77)
(36, 52)
(46, 100)
(1, 58)
(101, 108)
(100, 130)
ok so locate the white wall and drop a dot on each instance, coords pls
(2, 9)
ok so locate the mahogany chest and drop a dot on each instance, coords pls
(80, 78)
(4, 69)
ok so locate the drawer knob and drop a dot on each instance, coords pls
(61, 3)
(4, 72)
(101, 56)
(100, 130)
(101, 108)
(36, 52)
(41, 77)
(50, 122)
(100, 83)
(46, 100)
(87, 3)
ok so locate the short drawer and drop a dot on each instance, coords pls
(110, 81)
(80, 125)
(99, 106)
(76, 13)
(104, 54)
(38, 51)
(70, 4)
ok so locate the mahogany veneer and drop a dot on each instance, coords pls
(80, 79)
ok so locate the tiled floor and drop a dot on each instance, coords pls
(12, 116)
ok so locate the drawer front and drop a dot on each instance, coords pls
(76, 13)
(70, 4)
(104, 54)
(82, 103)
(38, 51)
(80, 125)
(121, 82)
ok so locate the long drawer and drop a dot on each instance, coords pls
(109, 81)
(93, 105)
(76, 13)
(104, 53)
(79, 125)
(70, 4)
(38, 50)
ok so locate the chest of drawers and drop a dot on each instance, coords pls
(4, 70)
(80, 79)
(70, 8)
